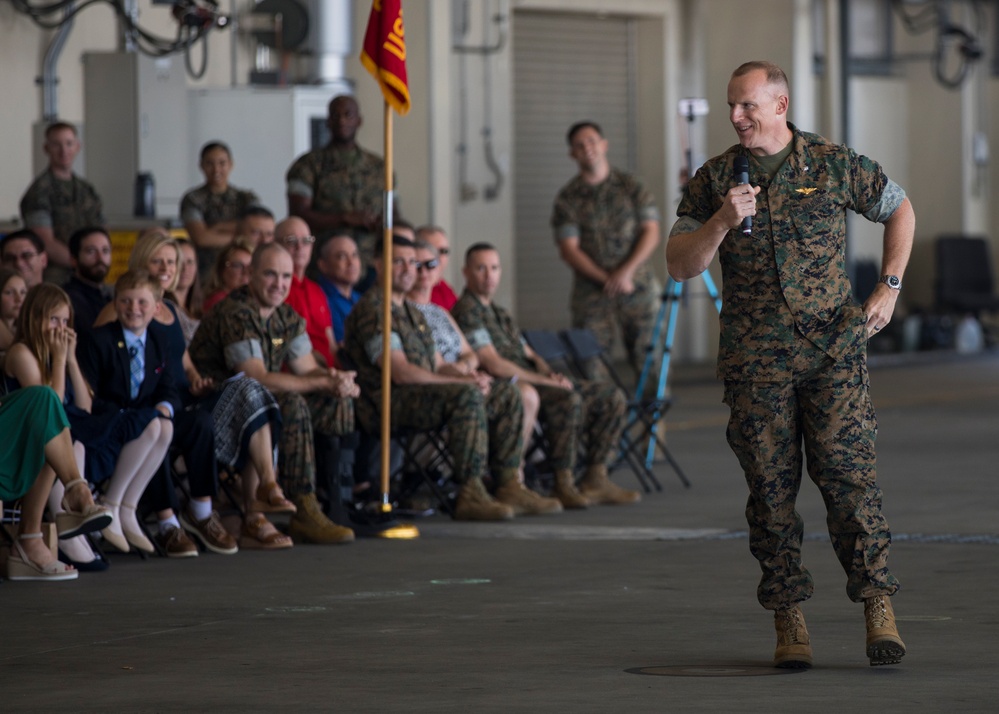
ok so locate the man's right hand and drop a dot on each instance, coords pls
(560, 380)
(369, 220)
(739, 202)
(342, 383)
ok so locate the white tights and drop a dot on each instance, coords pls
(137, 464)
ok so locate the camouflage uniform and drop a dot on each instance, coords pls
(233, 332)
(339, 181)
(63, 206)
(484, 432)
(201, 205)
(607, 219)
(793, 354)
(594, 410)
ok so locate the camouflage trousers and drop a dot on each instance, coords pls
(634, 315)
(302, 416)
(823, 415)
(483, 433)
(593, 411)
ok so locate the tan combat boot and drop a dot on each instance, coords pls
(884, 646)
(794, 650)
(524, 501)
(475, 504)
(597, 488)
(566, 491)
(310, 524)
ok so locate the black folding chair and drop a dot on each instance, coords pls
(555, 351)
(643, 414)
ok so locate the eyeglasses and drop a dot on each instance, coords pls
(427, 264)
(293, 241)
(25, 257)
(237, 266)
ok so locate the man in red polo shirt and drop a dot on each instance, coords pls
(305, 296)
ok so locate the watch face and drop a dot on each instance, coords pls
(892, 281)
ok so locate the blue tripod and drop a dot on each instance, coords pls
(647, 411)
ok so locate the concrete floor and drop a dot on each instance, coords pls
(649, 608)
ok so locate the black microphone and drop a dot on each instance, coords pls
(741, 167)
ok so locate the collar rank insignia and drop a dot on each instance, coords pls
(277, 341)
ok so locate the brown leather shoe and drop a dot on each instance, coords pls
(597, 487)
(210, 532)
(176, 544)
(794, 649)
(310, 524)
(884, 646)
(475, 504)
(566, 492)
(524, 501)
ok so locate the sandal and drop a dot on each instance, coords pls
(270, 499)
(21, 567)
(92, 517)
(260, 534)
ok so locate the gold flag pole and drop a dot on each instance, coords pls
(392, 529)
(387, 313)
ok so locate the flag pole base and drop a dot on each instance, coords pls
(378, 521)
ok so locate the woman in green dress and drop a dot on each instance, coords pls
(36, 449)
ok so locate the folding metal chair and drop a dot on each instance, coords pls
(538, 472)
(643, 414)
(554, 350)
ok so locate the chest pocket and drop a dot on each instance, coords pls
(818, 219)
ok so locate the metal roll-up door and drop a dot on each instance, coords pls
(566, 67)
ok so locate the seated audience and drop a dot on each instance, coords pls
(305, 296)
(231, 271)
(90, 254)
(458, 355)
(570, 410)
(442, 294)
(188, 289)
(228, 422)
(255, 333)
(484, 418)
(37, 449)
(339, 267)
(125, 364)
(24, 252)
(12, 293)
(210, 212)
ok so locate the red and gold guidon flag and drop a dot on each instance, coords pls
(384, 52)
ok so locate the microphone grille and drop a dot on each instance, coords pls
(741, 164)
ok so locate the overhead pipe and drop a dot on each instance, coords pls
(49, 80)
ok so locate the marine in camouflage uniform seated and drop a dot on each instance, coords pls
(591, 410)
(252, 331)
(483, 416)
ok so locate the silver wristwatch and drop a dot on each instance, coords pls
(892, 281)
